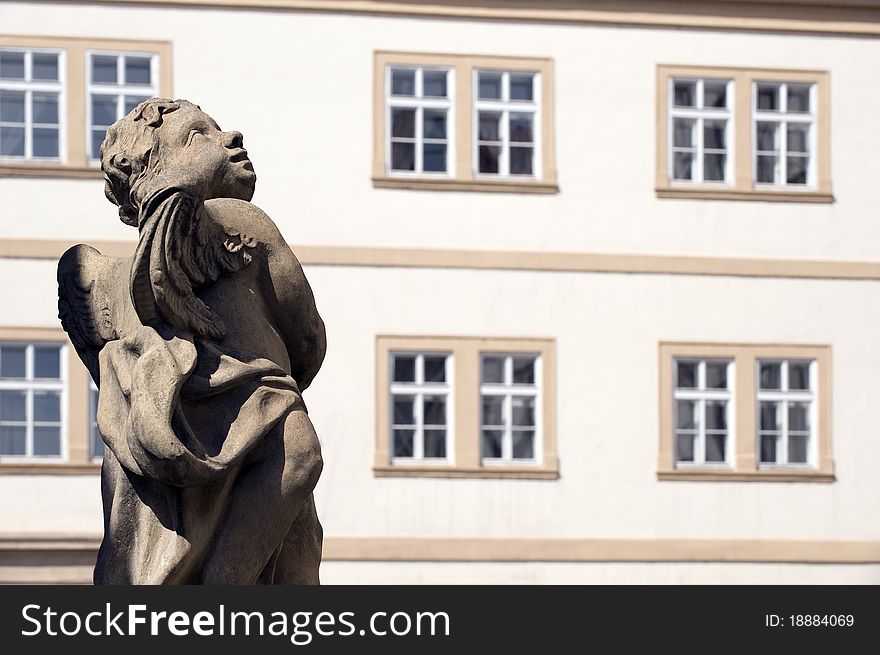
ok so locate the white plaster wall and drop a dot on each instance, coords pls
(299, 86)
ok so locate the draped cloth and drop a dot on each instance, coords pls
(182, 417)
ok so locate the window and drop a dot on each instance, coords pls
(509, 401)
(118, 82)
(452, 122)
(465, 406)
(740, 134)
(785, 412)
(700, 129)
(31, 86)
(59, 95)
(420, 403)
(702, 411)
(745, 412)
(96, 441)
(31, 400)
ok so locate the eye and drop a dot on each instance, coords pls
(192, 134)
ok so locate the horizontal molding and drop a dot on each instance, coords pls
(759, 195)
(61, 468)
(520, 473)
(492, 186)
(49, 170)
(413, 549)
(850, 17)
(573, 262)
(751, 476)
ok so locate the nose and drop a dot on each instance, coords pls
(233, 139)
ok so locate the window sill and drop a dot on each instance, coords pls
(446, 184)
(766, 475)
(515, 472)
(759, 195)
(27, 169)
(49, 468)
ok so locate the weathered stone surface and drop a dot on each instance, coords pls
(201, 345)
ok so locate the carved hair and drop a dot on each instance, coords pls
(129, 153)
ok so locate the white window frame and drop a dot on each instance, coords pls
(30, 86)
(419, 103)
(699, 114)
(505, 106)
(418, 390)
(93, 431)
(508, 390)
(783, 118)
(784, 396)
(120, 90)
(29, 384)
(700, 395)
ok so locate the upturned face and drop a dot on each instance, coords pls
(199, 158)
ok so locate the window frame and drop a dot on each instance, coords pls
(508, 390)
(783, 117)
(744, 455)
(701, 394)
(786, 395)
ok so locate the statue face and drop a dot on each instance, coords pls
(199, 158)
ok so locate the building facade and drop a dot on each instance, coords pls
(599, 283)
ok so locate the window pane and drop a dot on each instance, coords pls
(435, 443)
(523, 444)
(434, 83)
(45, 108)
(714, 133)
(797, 449)
(403, 443)
(796, 170)
(97, 139)
(686, 414)
(12, 106)
(715, 447)
(434, 157)
(683, 166)
(713, 167)
(521, 160)
(45, 142)
(798, 138)
(490, 126)
(489, 86)
(798, 98)
(47, 441)
(716, 415)
(103, 110)
(767, 168)
(493, 410)
(434, 410)
(45, 66)
(403, 82)
(47, 362)
(12, 65)
(714, 94)
(47, 406)
(489, 159)
(434, 122)
(769, 416)
(12, 441)
(716, 375)
(137, 70)
(768, 448)
(521, 128)
(523, 411)
(403, 156)
(799, 417)
(12, 141)
(404, 410)
(12, 362)
(490, 444)
(767, 135)
(130, 102)
(524, 370)
(492, 369)
(403, 123)
(104, 69)
(684, 448)
(684, 94)
(521, 86)
(13, 405)
(683, 133)
(686, 375)
(768, 97)
(799, 376)
(435, 368)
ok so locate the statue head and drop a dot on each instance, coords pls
(172, 144)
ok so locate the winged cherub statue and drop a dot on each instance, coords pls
(201, 345)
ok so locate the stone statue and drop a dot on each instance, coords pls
(201, 345)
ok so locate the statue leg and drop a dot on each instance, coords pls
(271, 491)
(300, 556)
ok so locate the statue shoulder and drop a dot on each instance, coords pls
(244, 220)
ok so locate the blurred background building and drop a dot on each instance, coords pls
(601, 280)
